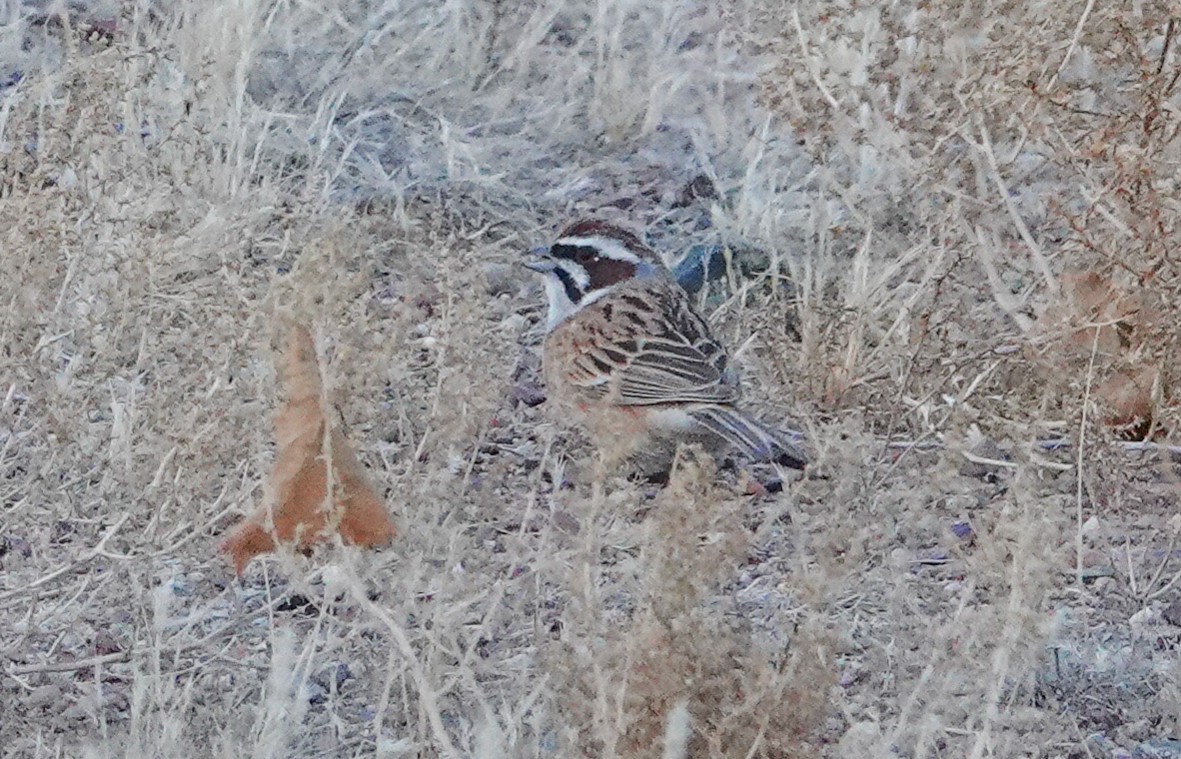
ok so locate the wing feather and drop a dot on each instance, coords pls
(643, 345)
(674, 357)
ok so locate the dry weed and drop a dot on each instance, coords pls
(677, 650)
(974, 568)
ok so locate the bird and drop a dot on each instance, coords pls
(626, 354)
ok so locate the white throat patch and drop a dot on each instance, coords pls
(560, 305)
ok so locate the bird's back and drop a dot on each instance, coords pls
(642, 344)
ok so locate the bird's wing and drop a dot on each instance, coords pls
(655, 349)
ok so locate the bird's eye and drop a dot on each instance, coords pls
(585, 255)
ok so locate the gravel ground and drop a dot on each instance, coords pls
(899, 195)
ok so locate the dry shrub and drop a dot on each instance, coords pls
(627, 688)
(1124, 153)
(974, 165)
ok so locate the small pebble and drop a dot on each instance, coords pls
(1103, 585)
(986, 448)
(1090, 574)
(849, 677)
(861, 739)
(1172, 613)
(316, 693)
(514, 324)
(1162, 748)
(701, 264)
(1100, 745)
(528, 393)
(45, 695)
(502, 278)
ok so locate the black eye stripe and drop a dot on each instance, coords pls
(573, 252)
(569, 285)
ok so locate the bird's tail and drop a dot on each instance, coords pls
(753, 438)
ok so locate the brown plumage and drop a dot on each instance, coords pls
(628, 356)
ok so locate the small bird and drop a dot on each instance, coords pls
(626, 353)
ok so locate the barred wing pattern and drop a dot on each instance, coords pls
(645, 346)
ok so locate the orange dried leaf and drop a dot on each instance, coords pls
(1128, 399)
(297, 509)
(1119, 331)
(1095, 304)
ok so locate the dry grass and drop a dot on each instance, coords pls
(904, 191)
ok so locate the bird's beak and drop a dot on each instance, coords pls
(540, 261)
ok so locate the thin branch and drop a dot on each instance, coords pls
(1050, 444)
(1082, 438)
(69, 666)
(1011, 305)
(832, 101)
(1035, 249)
(1170, 28)
(402, 644)
(1078, 33)
(100, 549)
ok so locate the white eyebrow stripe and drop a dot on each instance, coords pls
(610, 247)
